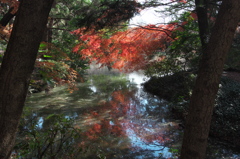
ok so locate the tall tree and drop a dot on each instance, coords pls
(17, 66)
(207, 83)
(201, 9)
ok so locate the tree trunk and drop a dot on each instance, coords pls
(17, 66)
(7, 17)
(201, 9)
(206, 87)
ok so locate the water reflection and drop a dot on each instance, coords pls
(116, 117)
(125, 122)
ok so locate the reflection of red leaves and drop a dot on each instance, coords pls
(97, 128)
(90, 134)
(94, 113)
(117, 107)
(105, 124)
(116, 130)
(119, 96)
(155, 137)
(120, 104)
(94, 132)
(112, 119)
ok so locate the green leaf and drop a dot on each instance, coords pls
(47, 56)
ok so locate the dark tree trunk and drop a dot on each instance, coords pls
(204, 94)
(17, 66)
(201, 9)
(7, 17)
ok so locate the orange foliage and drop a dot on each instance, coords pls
(55, 67)
(127, 50)
(5, 32)
(71, 79)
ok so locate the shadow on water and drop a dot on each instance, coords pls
(117, 117)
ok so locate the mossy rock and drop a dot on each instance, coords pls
(173, 87)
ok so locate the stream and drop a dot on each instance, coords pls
(121, 120)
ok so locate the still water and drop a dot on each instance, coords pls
(119, 118)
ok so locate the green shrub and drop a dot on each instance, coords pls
(58, 139)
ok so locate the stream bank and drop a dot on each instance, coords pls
(177, 90)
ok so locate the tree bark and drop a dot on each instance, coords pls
(17, 66)
(201, 9)
(207, 83)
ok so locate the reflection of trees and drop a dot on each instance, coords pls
(124, 122)
(108, 84)
(121, 119)
(108, 118)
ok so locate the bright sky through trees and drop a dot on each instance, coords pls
(150, 16)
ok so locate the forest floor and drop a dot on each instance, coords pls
(235, 75)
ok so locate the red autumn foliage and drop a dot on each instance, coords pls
(180, 1)
(194, 15)
(126, 50)
(52, 61)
